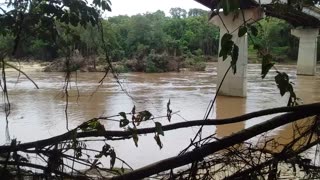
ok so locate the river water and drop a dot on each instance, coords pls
(40, 113)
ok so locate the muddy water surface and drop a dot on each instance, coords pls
(38, 114)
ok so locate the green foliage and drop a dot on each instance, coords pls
(242, 31)
(267, 64)
(156, 63)
(226, 46)
(6, 42)
(284, 85)
(151, 67)
(92, 125)
(121, 68)
(159, 131)
(234, 58)
(169, 111)
(36, 26)
(134, 136)
(124, 121)
(125, 37)
(254, 31)
(274, 35)
(143, 116)
(107, 151)
(159, 128)
(178, 13)
(229, 48)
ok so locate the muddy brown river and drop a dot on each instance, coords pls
(40, 113)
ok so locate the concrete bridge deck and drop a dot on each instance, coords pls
(305, 18)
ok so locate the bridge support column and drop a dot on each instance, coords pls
(234, 84)
(307, 57)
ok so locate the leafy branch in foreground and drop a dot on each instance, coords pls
(75, 142)
(229, 48)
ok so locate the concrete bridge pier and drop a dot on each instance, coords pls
(307, 57)
(235, 84)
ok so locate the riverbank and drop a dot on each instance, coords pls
(41, 66)
(28, 66)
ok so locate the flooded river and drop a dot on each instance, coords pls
(38, 114)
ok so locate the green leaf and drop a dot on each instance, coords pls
(98, 155)
(97, 2)
(157, 138)
(266, 65)
(105, 5)
(123, 114)
(254, 30)
(124, 122)
(293, 98)
(282, 80)
(133, 111)
(91, 125)
(135, 139)
(113, 157)
(235, 54)
(106, 148)
(265, 69)
(169, 111)
(159, 128)
(74, 19)
(242, 31)
(226, 49)
(143, 116)
(225, 38)
(134, 136)
(234, 58)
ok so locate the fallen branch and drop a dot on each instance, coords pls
(281, 157)
(315, 108)
(200, 153)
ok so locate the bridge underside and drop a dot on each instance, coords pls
(295, 16)
(306, 20)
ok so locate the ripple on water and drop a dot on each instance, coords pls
(40, 113)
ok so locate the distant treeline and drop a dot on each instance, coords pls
(184, 33)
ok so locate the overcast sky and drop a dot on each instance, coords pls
(132, 7)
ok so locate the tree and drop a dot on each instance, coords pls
(197, 12)
(178, 13)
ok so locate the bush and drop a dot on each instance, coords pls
(120, 68)
(195, 63)
(156, 63)
(151, 67)
(200, 66)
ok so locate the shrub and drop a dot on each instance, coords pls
(195, 63)
(156, 63)
(120, 68)
(151, 67)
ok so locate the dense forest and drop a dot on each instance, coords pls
(150, 42)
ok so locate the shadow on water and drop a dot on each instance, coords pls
(229, 107)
